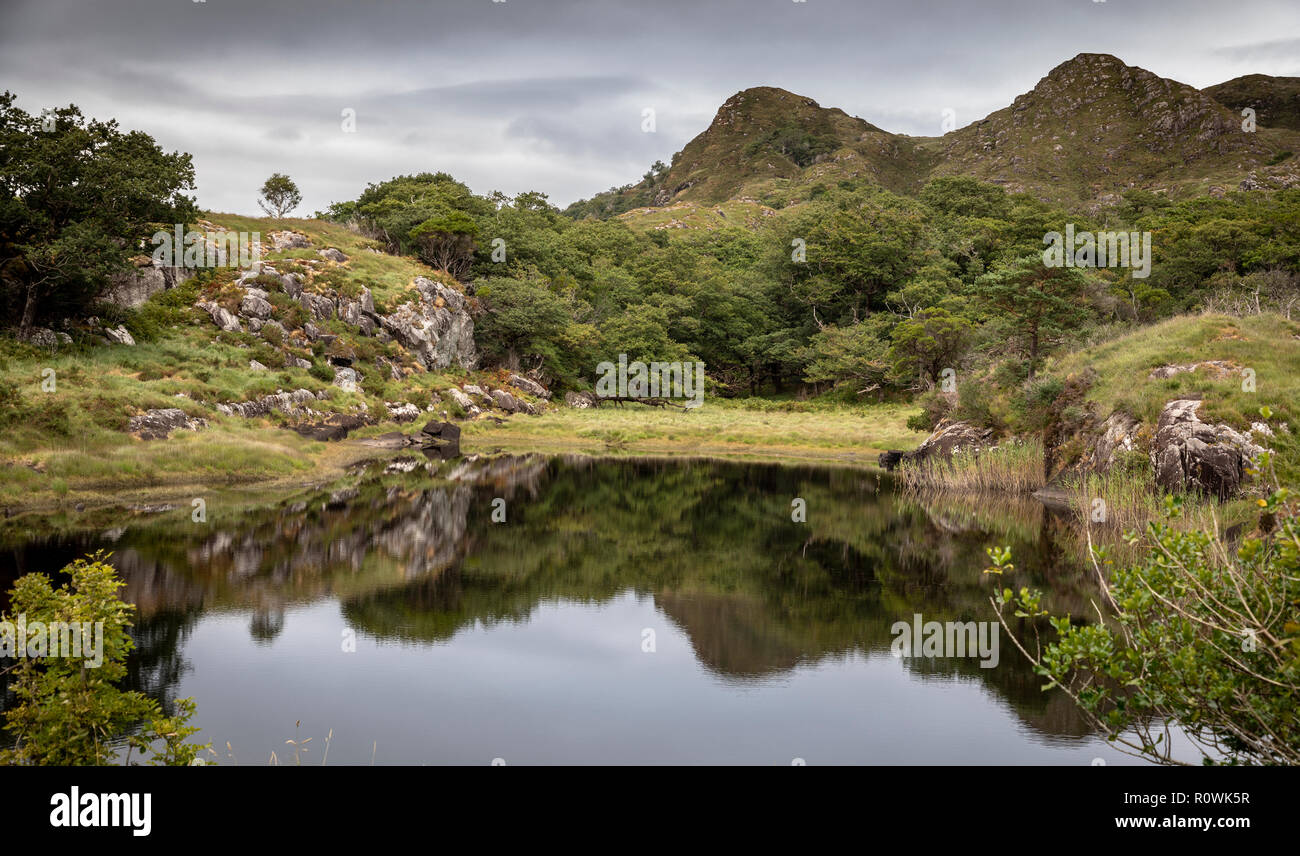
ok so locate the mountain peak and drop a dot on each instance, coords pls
(1276, 100)
(1089, 130)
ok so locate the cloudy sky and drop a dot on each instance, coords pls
(550, 95)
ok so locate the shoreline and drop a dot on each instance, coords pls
(845, 437)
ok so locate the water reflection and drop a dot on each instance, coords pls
(706, 551)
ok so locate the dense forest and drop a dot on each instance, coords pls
(858, 290)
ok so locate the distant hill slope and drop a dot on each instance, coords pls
(1276, 99)
(1088, 131)
(1094, 127)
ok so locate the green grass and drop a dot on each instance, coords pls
(719, 429)
(1268, 344)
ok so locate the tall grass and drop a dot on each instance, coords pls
(1014, 467)
(1119, 501)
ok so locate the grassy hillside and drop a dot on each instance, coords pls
(71, 444)
(1094, 127)
(1268, 344)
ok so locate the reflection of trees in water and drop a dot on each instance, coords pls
(156, 665)
(419, 559)
(266, 624)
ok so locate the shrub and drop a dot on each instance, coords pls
(1199, 635)
(70, 709)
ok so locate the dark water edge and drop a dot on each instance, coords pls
(527, 639)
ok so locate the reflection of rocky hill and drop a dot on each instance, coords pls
(730, 635)
(419, 559)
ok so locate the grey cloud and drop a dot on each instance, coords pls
(548, 95)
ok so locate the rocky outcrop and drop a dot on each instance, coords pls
(579, 400)
(158, 424)
(463, 401)
(319, 307)
(402, 411)
(222, 317)
(255, 304)
(436, 328)
(949, 437)
(331, 426)
(531, 387)
(289, 403)
(1117, 434)
(131, 290)
(505, 401)
(346, 379)
(1214, 368)
(890, 460)
(287, 240)
(1190, 455)
(118, 335)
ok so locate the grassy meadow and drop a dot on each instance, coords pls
(752, 429)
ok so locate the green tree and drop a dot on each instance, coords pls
(1037, 305)
(927, 344)
(856, 355)
(279, 195)
(447, 241)
(526, 323)
(70, 710)
(77, 199)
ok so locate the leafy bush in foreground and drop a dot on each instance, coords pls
(68, 712)
(1196, 635)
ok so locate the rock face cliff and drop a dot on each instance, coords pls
(1190, 455)
(436, 328)
(131, 290)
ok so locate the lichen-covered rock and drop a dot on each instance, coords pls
(319, 307)
(579, 400)
(505, 401)
(1214, 368)
(463, 400)
(256, 366)
(292, 285)
(118, 335)
(402, 411)
(255, 305)
(222, 317)
(1190, 455)
(289, 403)
(131, 290)
(949, 437)
(1118, 434)
(436, 328)
(346, 379)
(287, 240)
(158, 424)
(350, 311)
(333, 255)
(531, 387)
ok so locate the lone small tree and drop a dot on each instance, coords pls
(279, 195)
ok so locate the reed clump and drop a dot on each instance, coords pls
(1015, 466)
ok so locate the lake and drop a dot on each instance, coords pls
(574, 610)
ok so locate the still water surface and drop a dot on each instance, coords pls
(625, 612)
